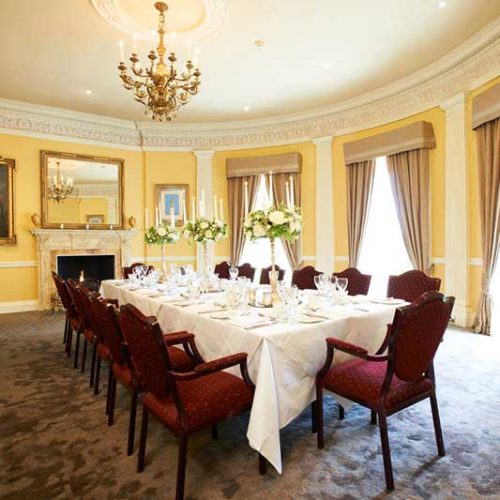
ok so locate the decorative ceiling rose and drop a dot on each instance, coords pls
(214, 16)
(159, 87)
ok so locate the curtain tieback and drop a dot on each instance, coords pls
(485, 285)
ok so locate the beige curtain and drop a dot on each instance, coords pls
(409, 174)
(488, 151)
(359, 190)
(236, 201)
(292, 248)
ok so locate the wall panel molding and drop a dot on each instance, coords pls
(18, 263)
(19, 306)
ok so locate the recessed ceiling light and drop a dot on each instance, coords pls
(259, 43)
(442, 4)
(246, 108)
(88, 92)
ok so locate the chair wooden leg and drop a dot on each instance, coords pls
(69, 341)
(437, 426)
(97, 375)
(314, 422)
(92, 364)
(142, 440)
(66, 327)
(341, 412)
(108, 390)
(131, 423)
(181, 468)
(112, 398)
(319, 417)
(84, 355)
(262, 465)
(215, 432)
(373, 419)
(386, 451)
(77, 349)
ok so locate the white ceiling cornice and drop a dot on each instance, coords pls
(468, 66)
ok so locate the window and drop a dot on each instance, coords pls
(383, 251)
(258, 253)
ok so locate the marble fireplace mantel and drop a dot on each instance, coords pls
(54, 242)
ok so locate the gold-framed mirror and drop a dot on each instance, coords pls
(7, 232)
(81, 192)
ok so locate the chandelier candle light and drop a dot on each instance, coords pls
(60, 187)
(282, 221)
(160, 88)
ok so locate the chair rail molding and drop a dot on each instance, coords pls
(325, 229)
(469, 65)
(456, 208)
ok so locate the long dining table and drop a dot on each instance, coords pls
(283, 357)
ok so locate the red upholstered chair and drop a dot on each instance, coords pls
(304, 278)
(411, 285)
(246, 271)
(388, 383)
(357, 283)
(71, 323)
(183, 402)
(83, 324)
(128, 270)
(222, 270)
(264, 274)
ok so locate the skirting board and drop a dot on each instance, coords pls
(19, 306)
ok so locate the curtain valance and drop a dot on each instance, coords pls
(486, 106)
(417, 135)
(257, 165)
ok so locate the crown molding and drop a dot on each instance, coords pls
(473, 63)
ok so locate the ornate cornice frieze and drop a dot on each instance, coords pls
(474, 62)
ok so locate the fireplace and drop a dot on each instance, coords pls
(88, 269)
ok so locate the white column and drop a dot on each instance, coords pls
(204, 183)
(325, 241)
(456, 209)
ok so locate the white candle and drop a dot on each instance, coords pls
(202, 204)
(292, 193)
(246, 197)
(184, 210)
(193, 208)
(215, 207)
(122, 55)
(287, 189)
(157, 216)
(135, 43)
(271, 187)
(221, 209)
(172, 216)
(160, 214)
(147, 218)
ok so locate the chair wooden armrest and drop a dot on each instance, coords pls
(347, 347)
(177, 338)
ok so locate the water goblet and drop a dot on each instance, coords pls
(233, 273)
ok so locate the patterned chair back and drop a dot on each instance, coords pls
(357, 283)
(128, 270)
(107, 318)
(411, 285)
(304, 278)
(147, 350)
(92, 323)
(416, 333)
(264, 274)
(63, 292)
(222, 269)
(72, 286)
(246, 271)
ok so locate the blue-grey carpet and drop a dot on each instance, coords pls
(55, 442)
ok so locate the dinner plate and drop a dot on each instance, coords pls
(390, 301)
(309, 319)
(220, 315)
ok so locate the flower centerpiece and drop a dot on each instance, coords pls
(162, 235)
(204, 230)
(271, 223)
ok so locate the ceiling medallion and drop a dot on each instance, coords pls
(159, 87)
(215, 13)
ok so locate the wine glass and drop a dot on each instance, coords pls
(342, 284)
(233, 273)
(318, 281)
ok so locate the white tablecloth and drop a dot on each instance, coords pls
(283, 359)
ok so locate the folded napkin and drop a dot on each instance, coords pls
(169, 299)
(249, 322)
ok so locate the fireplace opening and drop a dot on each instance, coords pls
(87, 269)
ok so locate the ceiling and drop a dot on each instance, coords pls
(316, 52)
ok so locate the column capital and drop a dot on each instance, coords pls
(453, 102)
(320, 141)
(204, 154)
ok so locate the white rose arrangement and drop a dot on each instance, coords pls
(202, 230)
(274, 222)
(161, 235)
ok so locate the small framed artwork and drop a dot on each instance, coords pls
(7, 234)
(95, 219)
(172, 195)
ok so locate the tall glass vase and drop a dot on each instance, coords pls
(206, 265)
(273, 276)
(163, 261)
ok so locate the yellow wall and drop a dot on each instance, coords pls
(437, 179)
(308, 188)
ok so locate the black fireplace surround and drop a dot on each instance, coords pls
(95, 268)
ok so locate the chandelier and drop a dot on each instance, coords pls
(60, 187)
(160, 88)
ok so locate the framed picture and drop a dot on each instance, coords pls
(171, 195)
(7, 168)
(95, 219)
